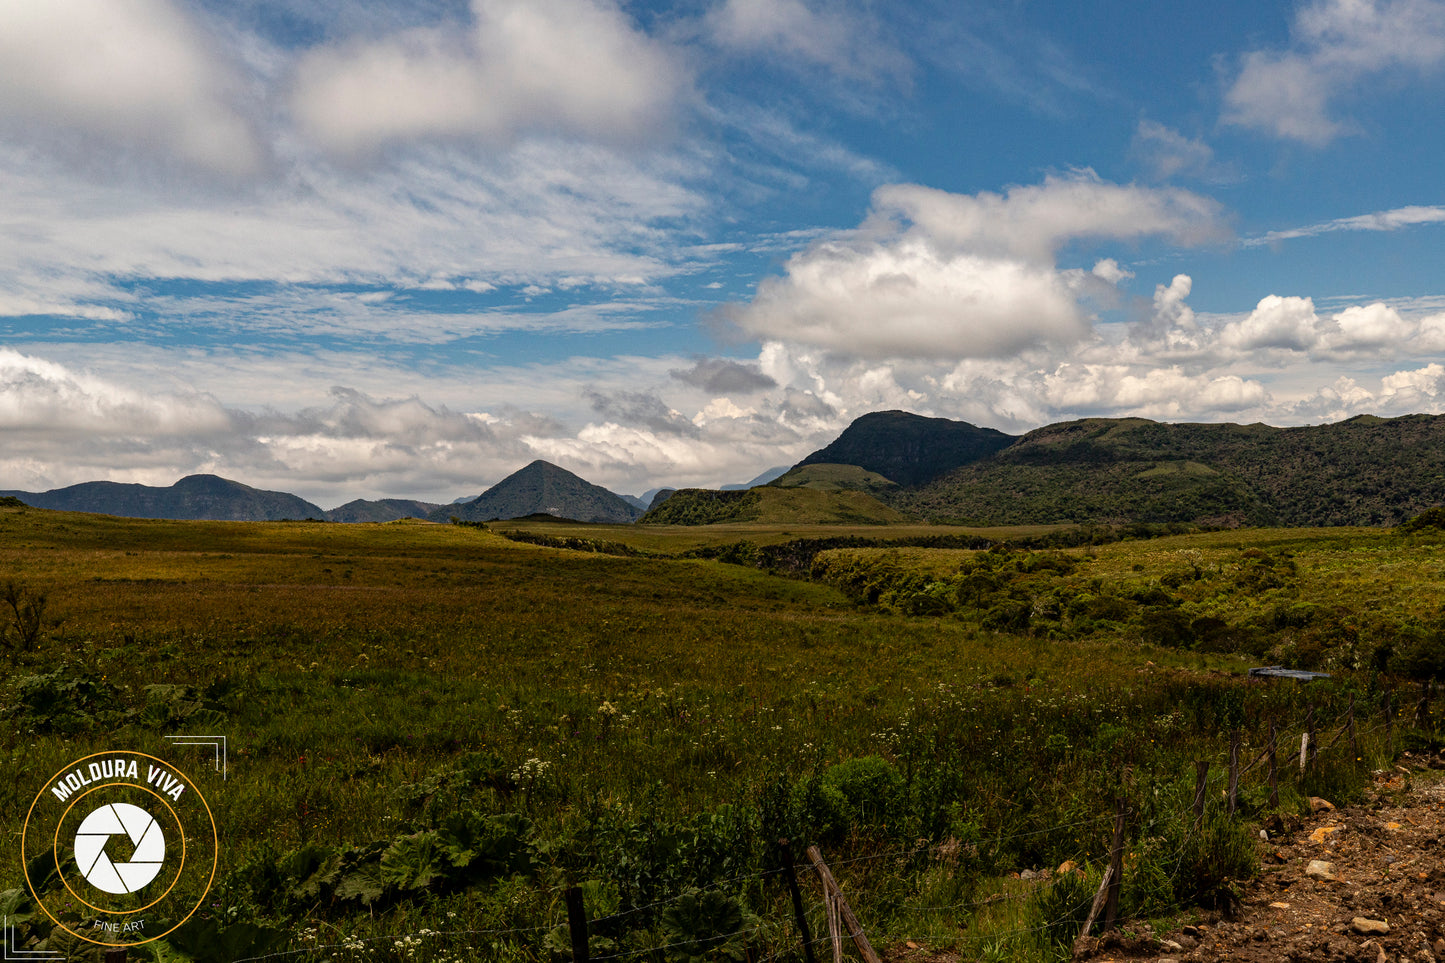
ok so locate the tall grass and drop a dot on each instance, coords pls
(649, 727)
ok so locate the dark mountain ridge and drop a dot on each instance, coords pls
(543, 488)
(1363, 471)
(193, 497)
(909, 449)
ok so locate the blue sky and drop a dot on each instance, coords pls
(402, 249)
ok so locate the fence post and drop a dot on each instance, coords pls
(1116, 865)
(1307, 742)
(792, 878)
(1390, 723)
(1354, 744)
(1201, 776)
(1099, 895)
(577, 924)
(1273, 772)
(1233, 770)
(832, 890)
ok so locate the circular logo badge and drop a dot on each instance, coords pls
(120, 848)
(123, 821)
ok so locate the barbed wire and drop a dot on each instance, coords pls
(1216, 778)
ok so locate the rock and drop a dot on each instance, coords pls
(1069, 866)
(1169, 946)
(1264, 835)
(1439, 948)
(1279, 906)
(1028, 874)
(1373, 951)
(1318, 805)
(1323, 833)
(1369, 927)
(1319, 869)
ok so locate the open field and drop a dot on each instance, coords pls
(435, 728)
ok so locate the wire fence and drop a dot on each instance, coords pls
(785, 940)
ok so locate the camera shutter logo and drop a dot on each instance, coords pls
(120, 848)
(120, 819)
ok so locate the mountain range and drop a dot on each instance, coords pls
(893, 465)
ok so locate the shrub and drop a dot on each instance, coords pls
(22, 617)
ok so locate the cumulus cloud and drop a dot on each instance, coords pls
(1161, 392)
(574, 66)
(1336, 46)
(934, 273)
(1276, 322)
(41, 397)
(141, 72)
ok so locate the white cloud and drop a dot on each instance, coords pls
(544, 212)
(1337, 45)
(1392, 220)
(1367, 326)
(1422, 383)
(574, 66)
(1276, 322)
(905, 299)
(141, 72)
(1158, 392)
(934, 273)
(41, 398)
(1109, 270)
(1166, 153)
(830, 35)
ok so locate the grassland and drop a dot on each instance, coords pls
(437, 728)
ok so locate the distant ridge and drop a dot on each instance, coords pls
(543, 488)
(1363, 471)
(908, 449)
(771, 505)
(193, 497)
(381, 510)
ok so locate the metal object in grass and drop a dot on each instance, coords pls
(1280, 672)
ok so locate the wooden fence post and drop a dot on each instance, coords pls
(1116, 865)
(830, 887)
(792, 878)
(1390, 722)
(1273, 772)
(1354, 744)
(577, 924)
(1099, 896)
(1233, 771)
(1201, 776)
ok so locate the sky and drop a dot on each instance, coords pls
(401, 249)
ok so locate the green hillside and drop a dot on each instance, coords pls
(772, 506)
(832, 478)
(1365, 471)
